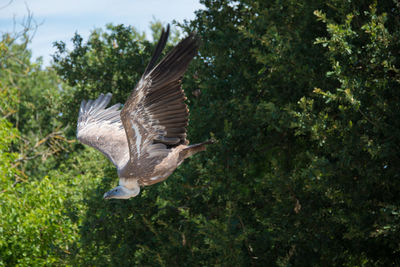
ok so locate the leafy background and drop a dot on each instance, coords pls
(303, 99)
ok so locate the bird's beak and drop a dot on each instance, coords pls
(107, 195)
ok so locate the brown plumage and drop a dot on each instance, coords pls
(146, 140)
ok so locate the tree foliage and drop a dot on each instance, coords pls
(303, 98)
(33, 227)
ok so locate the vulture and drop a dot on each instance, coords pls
(146, 139)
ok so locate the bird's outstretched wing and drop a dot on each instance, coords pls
(155, 115)
(101, 128)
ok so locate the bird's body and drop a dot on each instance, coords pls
(146, 140)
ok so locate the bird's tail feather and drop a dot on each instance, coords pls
(193, 149)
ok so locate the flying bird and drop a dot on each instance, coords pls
(146, 139)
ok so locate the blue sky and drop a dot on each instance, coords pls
(59, 20)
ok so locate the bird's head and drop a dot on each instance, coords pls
(121, 192)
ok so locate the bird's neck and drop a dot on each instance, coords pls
(132, 192)
(131, 185)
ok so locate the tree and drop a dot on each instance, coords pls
(306, 182)
(303, 99)
(34, 228)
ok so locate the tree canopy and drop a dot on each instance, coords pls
(303, 99)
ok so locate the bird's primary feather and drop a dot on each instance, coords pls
(101, 128)
(155, 115)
